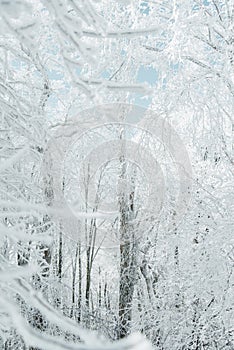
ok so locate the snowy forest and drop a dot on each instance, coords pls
(116, 174)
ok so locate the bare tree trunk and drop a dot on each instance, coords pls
(126, 288)
(60, 255)
(127, 251)
(99, 289)
(80, 284)
(74, 281)
(89, 264)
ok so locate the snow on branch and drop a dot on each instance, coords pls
(34, 338)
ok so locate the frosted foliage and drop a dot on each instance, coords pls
(116, 175)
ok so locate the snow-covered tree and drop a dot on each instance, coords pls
(116, 218)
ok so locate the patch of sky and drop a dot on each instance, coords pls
(160, 45)
(18, 64)
(105, 74)
(53, 101)
(196, 6)
(175, 67)
(144, 8)
(147, 75)
(54, 75)
(123, 52)
(37, 74)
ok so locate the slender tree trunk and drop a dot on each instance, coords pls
(127, 251)
(60, 255)
(80, 284)
(74, 281)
